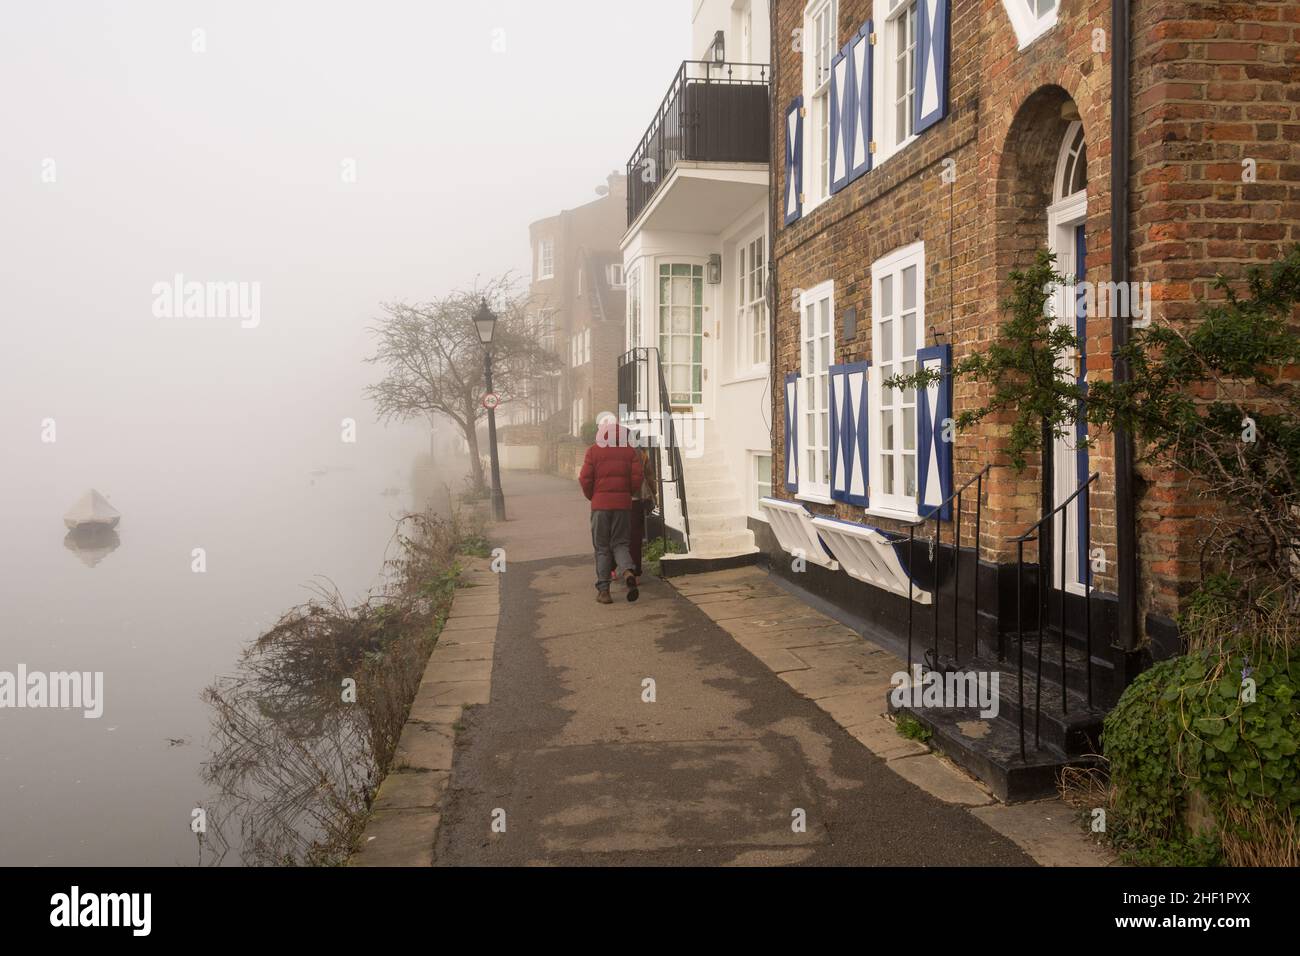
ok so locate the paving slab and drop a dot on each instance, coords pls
(444, 653)
(941, 780)
(398, 838)
(467, 622)
(466, 693)
(1048, 832)
(459, 638)
(412, 790)
(881, 737)
(447, 671)
(424, 747)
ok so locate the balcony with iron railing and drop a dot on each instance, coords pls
(713, 113)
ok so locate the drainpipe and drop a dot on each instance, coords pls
(1125, 503)
(774, 207)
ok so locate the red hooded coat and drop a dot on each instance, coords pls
(611, 470)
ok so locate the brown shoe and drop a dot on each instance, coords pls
(632, 592)
(602, 597)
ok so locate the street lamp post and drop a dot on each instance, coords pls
(485, 323)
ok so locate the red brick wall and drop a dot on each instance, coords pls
(1212, 84)
(1215, 84)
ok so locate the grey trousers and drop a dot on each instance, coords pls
(609, 536)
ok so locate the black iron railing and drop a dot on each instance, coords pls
(1042, 533)
(643, 399)
(713, 112)
(937, 552)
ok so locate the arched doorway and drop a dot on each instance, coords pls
(1067, 239)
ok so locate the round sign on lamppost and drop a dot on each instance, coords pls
(491, 401)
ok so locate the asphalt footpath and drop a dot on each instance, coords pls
(644, 734)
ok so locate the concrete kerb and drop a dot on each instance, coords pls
(407, 811)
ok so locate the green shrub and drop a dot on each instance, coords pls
(911, 728)
(653, 551)
(1187, 726)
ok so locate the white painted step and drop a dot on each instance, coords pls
(712, 524)
(723, 543)
(712, 507)
(708, 472)
(710, 489)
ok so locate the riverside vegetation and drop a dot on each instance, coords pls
(306, 730)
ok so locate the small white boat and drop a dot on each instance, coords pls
(92, 510)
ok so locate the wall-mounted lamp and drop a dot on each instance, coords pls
(713, 274)
(718, 49)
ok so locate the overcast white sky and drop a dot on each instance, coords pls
(225, 165)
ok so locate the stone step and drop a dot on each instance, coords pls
(707, 472)
(724, 488)
(717, 543)
(710, 524)
(712, 507)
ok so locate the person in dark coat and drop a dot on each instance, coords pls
(644, 500)
(611, 471)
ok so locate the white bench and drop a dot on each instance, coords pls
(867, 555)
(793, 527)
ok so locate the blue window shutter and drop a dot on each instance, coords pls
(792, 432)
(933, 454)
(794, 161)
(841, 425)
(862, 55)
(843, 116)
(848, 406)
(859, 390)
(931, 63)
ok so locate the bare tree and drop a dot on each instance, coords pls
(433, 361)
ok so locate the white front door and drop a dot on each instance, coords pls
(1070, 456)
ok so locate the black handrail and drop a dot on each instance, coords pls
(978, 481)
(634, 401)
(1035, 533)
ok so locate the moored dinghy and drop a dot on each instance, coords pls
(92, 510)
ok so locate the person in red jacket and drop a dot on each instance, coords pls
(610, 472)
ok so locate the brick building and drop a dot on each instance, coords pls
(577, 303)
(924, 149)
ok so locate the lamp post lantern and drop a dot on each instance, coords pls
(485, 323)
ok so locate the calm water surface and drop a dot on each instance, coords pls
(120, 789)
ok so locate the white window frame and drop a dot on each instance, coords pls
(616, 275)
(577, 414)
(546, 329)
(586, 346)
(753, 325)
(814, 392)
(1028, 24)
(664, 335)
(823, 15)
(757, 471)
(744, 11)
(900, 353)
(545, 259)
(635, 331)
(885, 81)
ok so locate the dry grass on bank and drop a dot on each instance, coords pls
(306, 730)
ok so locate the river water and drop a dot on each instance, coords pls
(120, 789)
